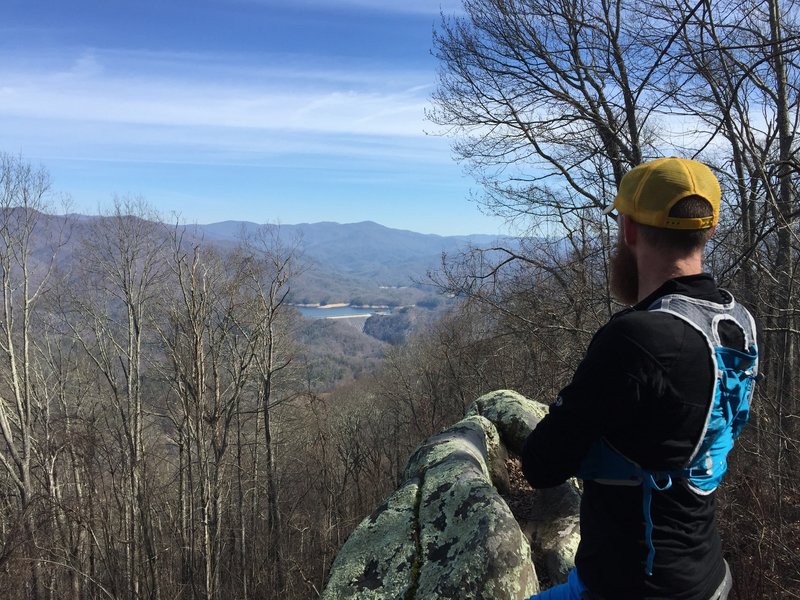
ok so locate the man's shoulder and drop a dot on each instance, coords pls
(643, 325)
(638, 339)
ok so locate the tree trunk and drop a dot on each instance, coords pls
(274, 532)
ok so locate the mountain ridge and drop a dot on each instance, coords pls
(365, 250)
(231, 228)
(359, 263)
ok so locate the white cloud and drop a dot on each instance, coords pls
(194, 108)
(358, 103)
(422, 7)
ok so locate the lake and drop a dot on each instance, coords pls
(315, 312)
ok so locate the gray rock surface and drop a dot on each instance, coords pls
(447, 532)
(380, 558)
(513, 414)
(552, 525)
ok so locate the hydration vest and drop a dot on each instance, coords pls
(736, 372)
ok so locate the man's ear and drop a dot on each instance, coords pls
(629, 231)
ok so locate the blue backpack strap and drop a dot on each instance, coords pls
(649, 484)
(730, 411)
(605, 464)
(736, 371)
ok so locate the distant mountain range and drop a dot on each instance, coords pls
(359, 263)
(363, 251)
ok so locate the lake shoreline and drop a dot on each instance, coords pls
(344, 305)
(340, 311)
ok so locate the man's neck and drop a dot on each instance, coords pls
(655, 270)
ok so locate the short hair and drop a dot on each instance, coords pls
(681, 241)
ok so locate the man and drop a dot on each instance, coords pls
(646, 422)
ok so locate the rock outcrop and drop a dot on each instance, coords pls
(448, 533)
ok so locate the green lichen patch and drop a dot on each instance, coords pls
(477, 550)
(380, 556)
(466, 441)
(513, 414)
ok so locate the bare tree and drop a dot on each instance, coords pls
(211, 356)
(25, 271)
(274, 264)
(122, 270)
(549, 101)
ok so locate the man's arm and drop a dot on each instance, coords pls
(601, 398)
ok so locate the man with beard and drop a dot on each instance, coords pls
(655, 405)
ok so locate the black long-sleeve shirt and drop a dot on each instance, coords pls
(645, 385)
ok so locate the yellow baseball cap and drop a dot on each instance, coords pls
(648, 192)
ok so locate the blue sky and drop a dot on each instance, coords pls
(261, 110)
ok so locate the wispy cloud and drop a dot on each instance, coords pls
(138, 99)
(260, 98)
(421, 7)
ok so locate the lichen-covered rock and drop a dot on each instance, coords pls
(554, 529)
(472, 547)
(471, 441)
(380, 558)
(513, 414)
(474, 439)
(471, 544)
(554, 523)
(447, 532)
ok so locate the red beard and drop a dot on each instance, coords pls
(624, 274)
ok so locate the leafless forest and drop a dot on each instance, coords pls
(161, 435)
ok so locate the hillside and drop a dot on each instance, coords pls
(359, 262)
(364, 264)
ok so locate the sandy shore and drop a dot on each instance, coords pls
(344, 305)
(337, 305)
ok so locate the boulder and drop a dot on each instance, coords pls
(380, 558)
(448, 533)
(471, 545)
(551, 522)
(552, 525)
